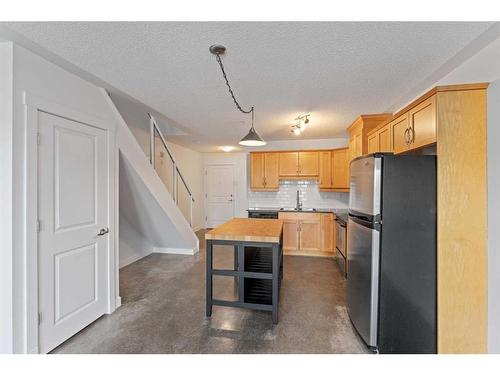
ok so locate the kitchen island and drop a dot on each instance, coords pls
(258, 263)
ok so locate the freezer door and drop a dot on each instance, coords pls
(363, 246)
(365, 186)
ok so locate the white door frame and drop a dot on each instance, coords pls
(205, 197)
(34, 104)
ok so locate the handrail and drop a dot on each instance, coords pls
(177, 173)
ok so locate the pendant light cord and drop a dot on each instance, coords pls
(251, 110)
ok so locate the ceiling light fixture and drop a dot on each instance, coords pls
(252, 138)
(227, 148)
(299, 128)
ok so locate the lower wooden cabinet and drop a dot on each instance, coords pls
(308, 233)
(290, 234)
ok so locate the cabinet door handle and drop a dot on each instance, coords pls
(412, 136)
(407, 133)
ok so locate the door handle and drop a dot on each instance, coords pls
(103, 231)
(406, 135)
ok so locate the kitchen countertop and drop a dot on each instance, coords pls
(337, 211)
(248, 230)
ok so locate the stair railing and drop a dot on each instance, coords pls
(176, 173)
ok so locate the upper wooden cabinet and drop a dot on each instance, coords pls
(384, 139)
(399, 129)
(334, 170)
(264, 171)
(331, 167)
(340, 169)
(423, 123)
(373, 143)
(299, 164)
(325, 169)
(415, 128)
(308, 163)
(358, 133)
(289, 164)
(379, 139)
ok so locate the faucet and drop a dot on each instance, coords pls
(298, 207)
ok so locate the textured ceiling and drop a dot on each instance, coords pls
(334, 70)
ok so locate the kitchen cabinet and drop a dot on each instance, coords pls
(288, 164)
(384, 139)
(308, 163)
(264, 171)
(340, 169)
(330, 167)
(399, 129)
(327, 232)
(416, 128)
(373, 143)
(359, 130)
(308, 233)
(334, 170)
(423, 123)
(325, 170)
(290, 234)
(379, 139)
(299, 164)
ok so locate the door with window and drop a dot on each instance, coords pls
(73, 246)
(219, 194)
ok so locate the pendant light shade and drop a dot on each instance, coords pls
(252, 139)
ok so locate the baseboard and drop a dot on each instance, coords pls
(132, 259)
(173, 250)
(118, 302)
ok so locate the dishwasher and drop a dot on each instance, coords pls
(262, 214)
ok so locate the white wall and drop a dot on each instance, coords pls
(309, 194)
(304, 144)
(36, 76)
(6, 297)
(190, 163)
(239, 161)
(494, 216)
(133, 245)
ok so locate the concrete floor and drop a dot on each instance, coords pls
(163, 311)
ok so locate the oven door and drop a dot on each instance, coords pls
(340, 237)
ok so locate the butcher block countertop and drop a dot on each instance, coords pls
(250, 230)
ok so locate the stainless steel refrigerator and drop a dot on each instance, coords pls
(391, 252)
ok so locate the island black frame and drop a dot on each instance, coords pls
(249, 258)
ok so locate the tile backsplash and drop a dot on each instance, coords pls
(310, 196)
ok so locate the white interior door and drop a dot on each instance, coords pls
(219, 194)
(72, 209)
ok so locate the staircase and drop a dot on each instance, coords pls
(154, 198)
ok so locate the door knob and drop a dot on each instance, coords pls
(103, 231)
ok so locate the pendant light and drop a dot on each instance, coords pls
(252, 138)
